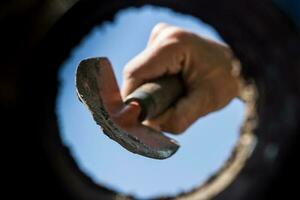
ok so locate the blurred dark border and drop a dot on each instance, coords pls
(264, 38)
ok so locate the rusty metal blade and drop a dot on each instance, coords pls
(98, 90)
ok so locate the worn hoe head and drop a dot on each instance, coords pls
(98, 90)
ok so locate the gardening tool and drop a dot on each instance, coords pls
(122, 120)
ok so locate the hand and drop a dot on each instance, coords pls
(205, 66)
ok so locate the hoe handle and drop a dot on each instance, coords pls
(156, 96)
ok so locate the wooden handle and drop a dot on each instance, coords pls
(157, 96)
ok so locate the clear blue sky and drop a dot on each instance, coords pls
(204, 146)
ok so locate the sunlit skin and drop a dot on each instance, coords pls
(206, 68)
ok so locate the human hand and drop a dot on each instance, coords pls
(205, 66)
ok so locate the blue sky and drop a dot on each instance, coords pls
(204, 146)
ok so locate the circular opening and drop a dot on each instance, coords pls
(205, 146)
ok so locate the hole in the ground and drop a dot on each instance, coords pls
(204, 147)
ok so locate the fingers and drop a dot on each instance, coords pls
(158, 28)
(204, 65)
(166, 53)
(186, 111)
(153, 62)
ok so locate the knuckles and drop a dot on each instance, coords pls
(166, 32)
(158, 28)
